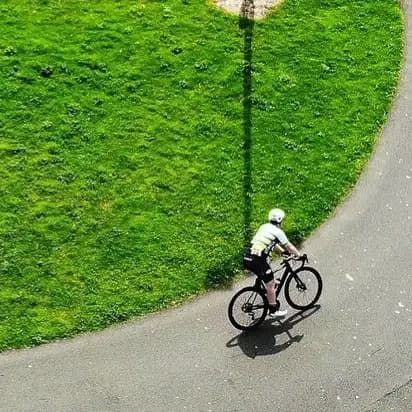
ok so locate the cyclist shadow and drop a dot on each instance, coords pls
(262, 341)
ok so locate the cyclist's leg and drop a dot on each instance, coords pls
(268, 278)
(272, 299)
(260, 266)
(271, 293)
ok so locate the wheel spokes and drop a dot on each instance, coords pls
(248, 309)
(304, 288)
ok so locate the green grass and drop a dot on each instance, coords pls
(122, 145)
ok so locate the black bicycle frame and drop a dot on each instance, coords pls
(260, 285)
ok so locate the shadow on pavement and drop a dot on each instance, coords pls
(262, 341)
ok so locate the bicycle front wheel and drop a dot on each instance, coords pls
(303, 288)
(248, 308)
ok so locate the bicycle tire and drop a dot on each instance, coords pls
(301, 287)
(242, 308)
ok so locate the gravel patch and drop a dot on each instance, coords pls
(250, 8)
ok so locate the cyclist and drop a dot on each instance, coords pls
(268, 237)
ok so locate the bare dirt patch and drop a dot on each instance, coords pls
(249, 8)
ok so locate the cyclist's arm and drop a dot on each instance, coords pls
(284, 243)
(291, 249)
(279, 249)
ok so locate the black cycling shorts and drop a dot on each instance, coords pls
(259, 266)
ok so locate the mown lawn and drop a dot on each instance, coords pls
(122, 144)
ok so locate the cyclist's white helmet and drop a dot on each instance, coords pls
(276, 216)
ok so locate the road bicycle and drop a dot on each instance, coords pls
(303, 285)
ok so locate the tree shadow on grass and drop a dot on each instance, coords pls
(262, 341)
(223, 273)
(246, 25)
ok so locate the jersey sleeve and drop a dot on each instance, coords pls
(282, 238)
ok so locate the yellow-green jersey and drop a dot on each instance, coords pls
(266, 237)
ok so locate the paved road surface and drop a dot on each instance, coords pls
(352, 353)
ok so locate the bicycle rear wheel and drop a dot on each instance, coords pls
(303, 288)
(248, 308)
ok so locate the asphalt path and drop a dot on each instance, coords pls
(352, 352)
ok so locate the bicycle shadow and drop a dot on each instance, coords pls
(262, 341)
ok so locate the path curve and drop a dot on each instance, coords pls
(352, 353)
